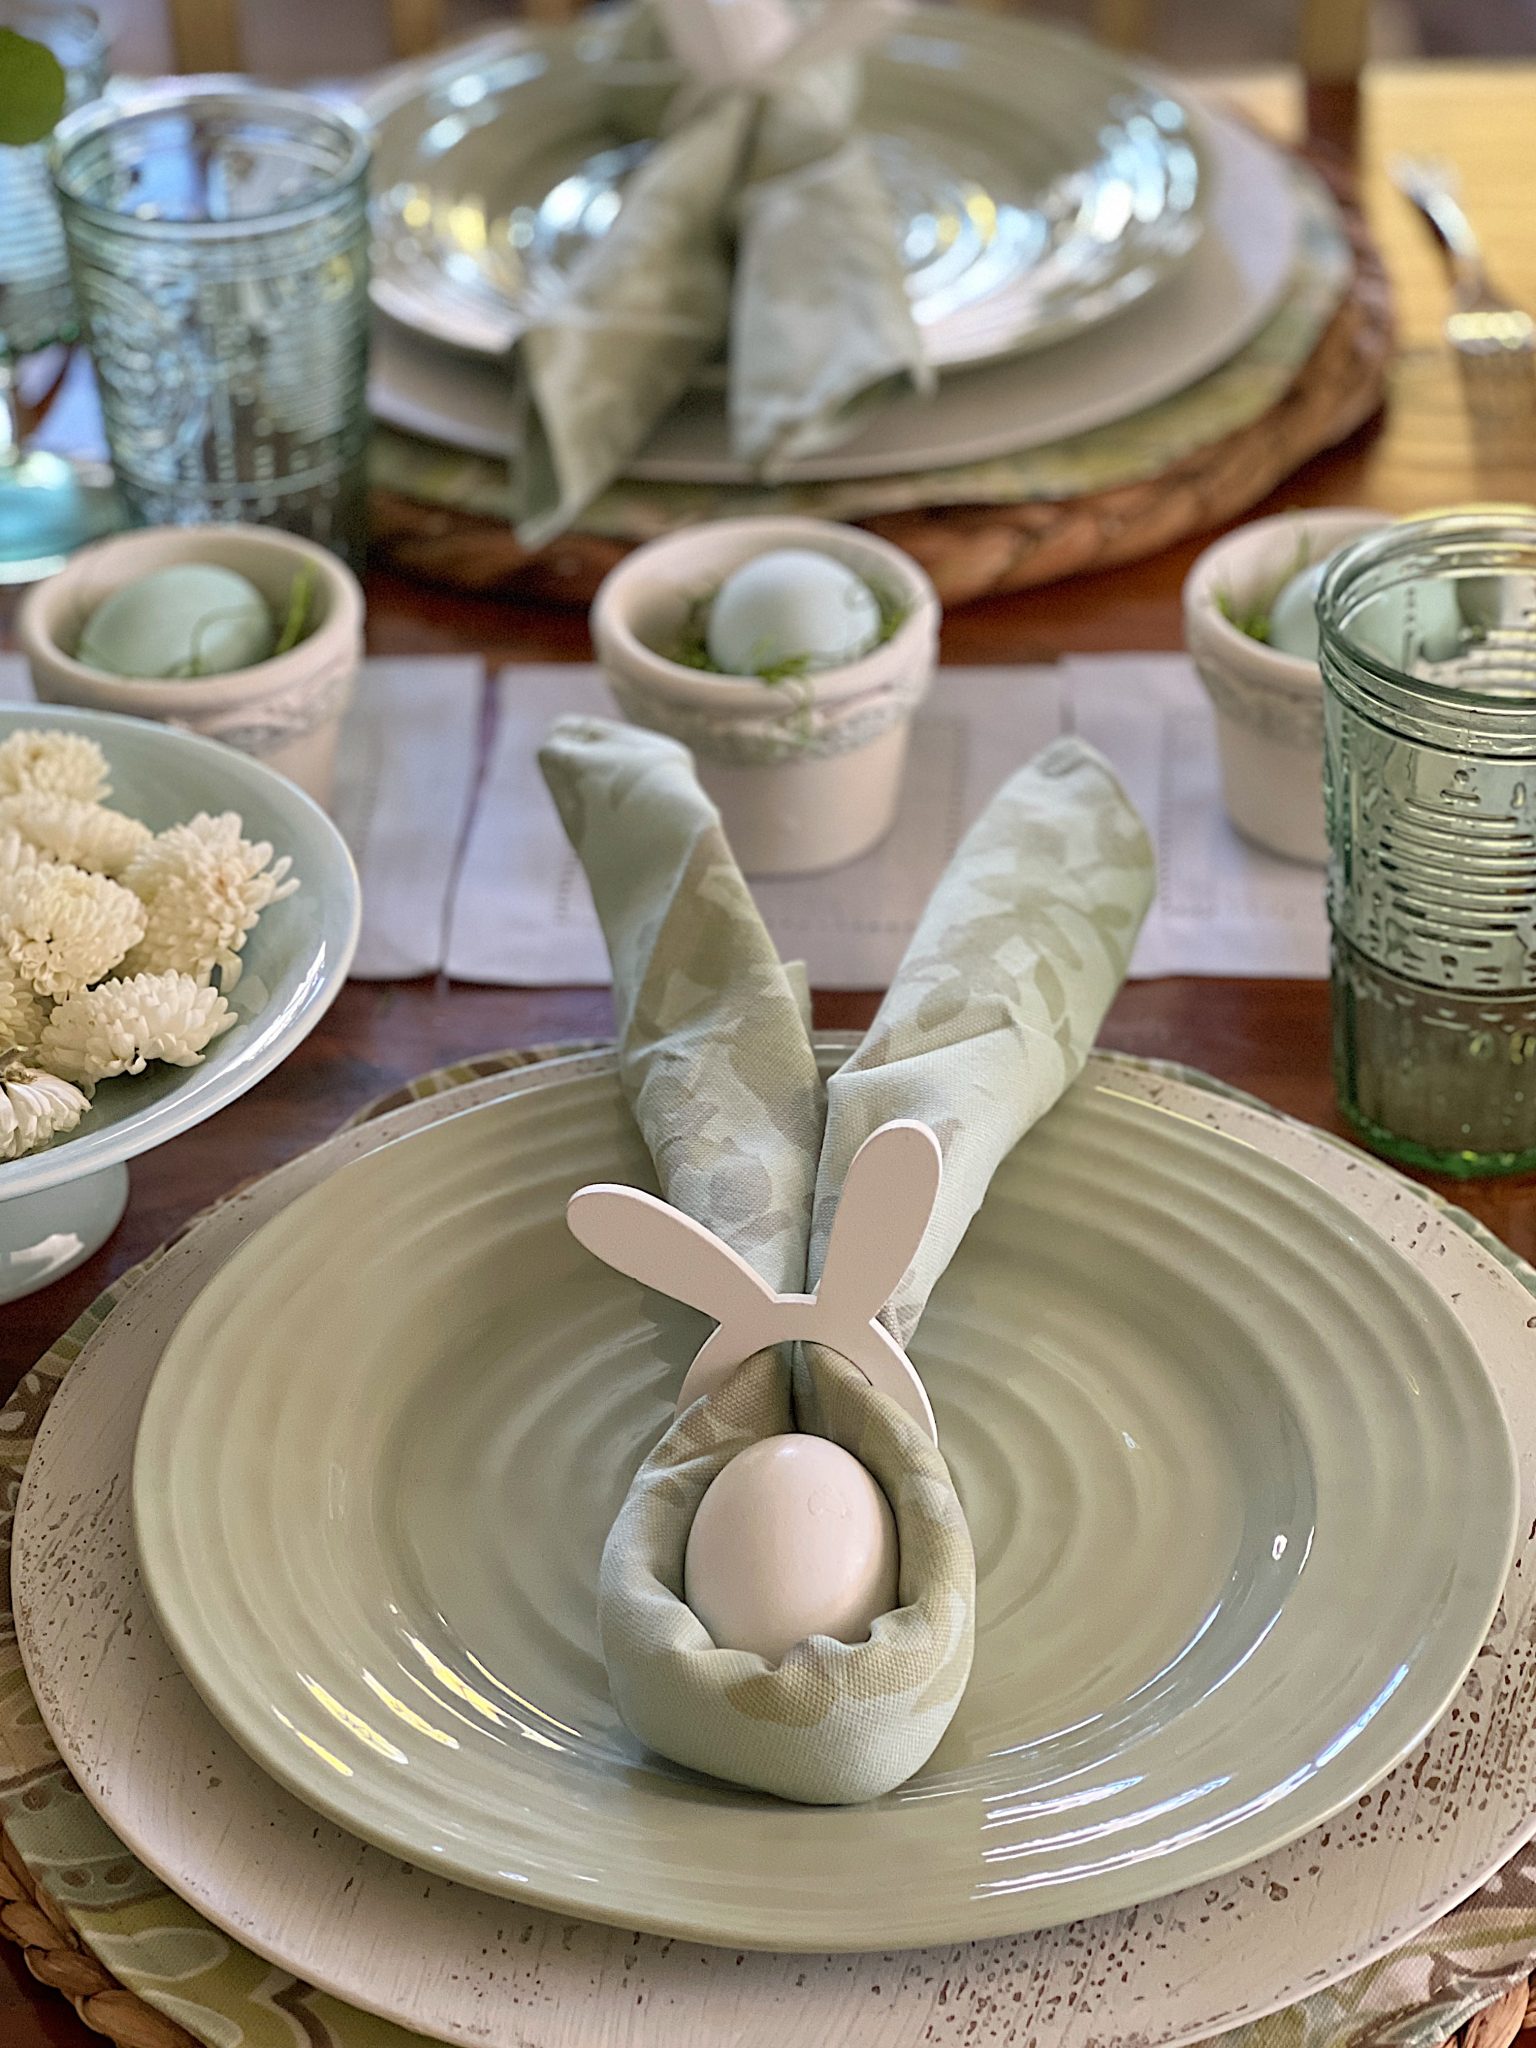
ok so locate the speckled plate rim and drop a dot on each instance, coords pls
(448, 1806)
(1161, 1984)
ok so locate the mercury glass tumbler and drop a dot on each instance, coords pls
(218, 236)
(1428, 632)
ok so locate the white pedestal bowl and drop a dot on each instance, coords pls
(57, 1206)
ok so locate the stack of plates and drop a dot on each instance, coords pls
(1080, 241)
(1224, 1407)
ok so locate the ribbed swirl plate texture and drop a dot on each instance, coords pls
(1211, 1433)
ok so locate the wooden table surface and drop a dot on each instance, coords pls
(1431, 448)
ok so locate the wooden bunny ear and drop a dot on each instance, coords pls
(887, 1198)
(649, 1241)
(884, 1209)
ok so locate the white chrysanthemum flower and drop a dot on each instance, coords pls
(58, 763)
(16, 852)
(117, 1027)
(86, 835)
(62, 929)
(22, 1012)
(34, 1107)
(203, 887)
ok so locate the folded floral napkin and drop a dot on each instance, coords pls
(991, 1015)
(760, 219)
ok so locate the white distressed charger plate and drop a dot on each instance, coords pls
(456, 1964)
(1224, 292)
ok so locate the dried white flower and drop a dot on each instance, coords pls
(62, 929)
(22, 1012)
(59, 763)
(34, 1107)
(16, 852)
(203, 887)
(63, 828)
(117, 1027)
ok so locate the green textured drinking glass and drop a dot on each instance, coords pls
(218, 237)
(48, 506)
(1428, 649)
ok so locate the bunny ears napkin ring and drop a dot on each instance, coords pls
(886, 1202)
(811, 1205)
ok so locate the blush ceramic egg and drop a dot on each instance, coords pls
(791, 605)
(190, 619)
(793, 1538)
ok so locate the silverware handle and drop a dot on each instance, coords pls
(1451, 229)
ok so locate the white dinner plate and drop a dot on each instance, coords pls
(1224, 292)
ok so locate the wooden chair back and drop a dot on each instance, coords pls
(1331, 34)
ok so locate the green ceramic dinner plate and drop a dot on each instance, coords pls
(1041, 183)
(1211, 1432)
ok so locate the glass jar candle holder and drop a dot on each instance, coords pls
(218, 237)
(1428, 650)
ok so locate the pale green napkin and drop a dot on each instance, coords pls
(821, 322)
(759, 217)
(991, 1014)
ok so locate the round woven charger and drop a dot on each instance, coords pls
(1468, 1976)
(974, 551)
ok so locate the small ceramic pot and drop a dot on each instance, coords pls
(286, 711)
(1269, 705)
(806, 775)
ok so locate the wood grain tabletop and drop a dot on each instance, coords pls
(1435, 445)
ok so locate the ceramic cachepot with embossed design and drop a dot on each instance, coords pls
(286, 711)
(1269, 705)
(806, 772)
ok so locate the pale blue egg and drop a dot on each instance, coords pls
(1411, 625)
(1406, 625)
(190, 619)
(1293, 615)
(791, 606)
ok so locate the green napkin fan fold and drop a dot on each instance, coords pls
(991, 1015)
